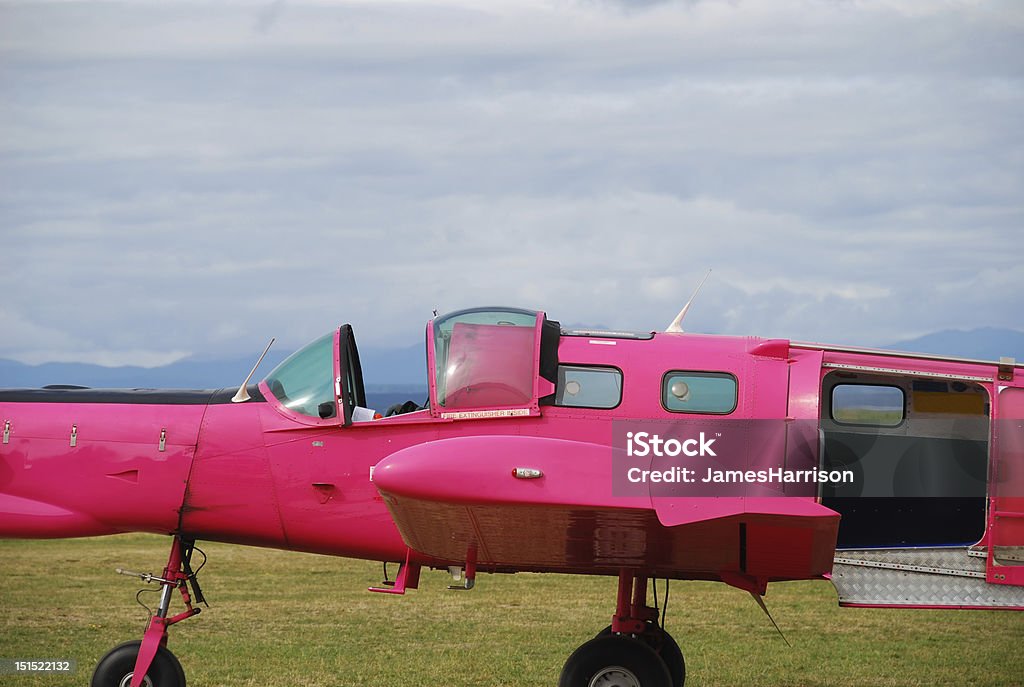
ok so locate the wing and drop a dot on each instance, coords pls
(533, 503)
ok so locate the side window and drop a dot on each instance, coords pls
(588, 387)
(699, 392)
(868, 404)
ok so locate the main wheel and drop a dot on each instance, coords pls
(615, 661)
(666, 647)
(115, 669)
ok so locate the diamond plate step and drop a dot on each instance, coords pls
(943, 577)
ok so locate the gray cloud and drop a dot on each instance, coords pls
(180, 178)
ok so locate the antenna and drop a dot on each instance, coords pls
(677, 324)
(760, 602)
(241, 396)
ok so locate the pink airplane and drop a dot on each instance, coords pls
(644, 456)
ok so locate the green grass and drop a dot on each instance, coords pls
(287, 619)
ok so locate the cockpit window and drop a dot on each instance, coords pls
(306, 378)
(485, 358)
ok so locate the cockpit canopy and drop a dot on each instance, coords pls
(321, 380)
(483, 358)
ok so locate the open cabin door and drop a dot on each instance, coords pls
(1006, 512)
(916, 521)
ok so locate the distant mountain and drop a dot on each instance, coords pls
(395, 369)
(383, 370)
(985, 343)
(184, 374)
(404, 369)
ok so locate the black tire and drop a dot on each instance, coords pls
(116, 667)
(666, 647)
(615, 661)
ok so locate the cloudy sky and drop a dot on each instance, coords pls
(190, 179)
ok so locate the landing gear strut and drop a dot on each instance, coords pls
(634, 651)
(148, 663)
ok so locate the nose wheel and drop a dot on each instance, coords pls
(117, 668)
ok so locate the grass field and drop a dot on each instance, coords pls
(287, 619)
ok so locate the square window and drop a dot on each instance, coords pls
(712, 393)
(588, 387)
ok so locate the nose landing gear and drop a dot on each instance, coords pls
(148, 663)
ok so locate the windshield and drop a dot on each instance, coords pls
(306, 378)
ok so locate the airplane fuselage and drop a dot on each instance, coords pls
(431, 484)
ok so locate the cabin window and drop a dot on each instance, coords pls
(868, 405)
(712, 393)
(588, 387)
